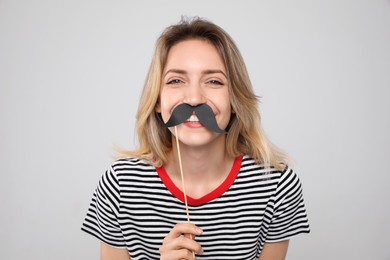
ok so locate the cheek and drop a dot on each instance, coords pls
(225, 104)
(227, 111)
(165, 107)
(169, 99)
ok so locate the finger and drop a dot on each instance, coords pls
(190, 236)
(185, 228)
(181, 253)
(175, 240)
(178, 255)
(183, 242)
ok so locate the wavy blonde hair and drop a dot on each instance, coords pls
(245, 134)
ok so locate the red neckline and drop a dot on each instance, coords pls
(219, 191)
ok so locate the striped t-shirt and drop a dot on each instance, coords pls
(136, 205)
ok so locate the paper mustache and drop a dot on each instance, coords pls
(203, 111)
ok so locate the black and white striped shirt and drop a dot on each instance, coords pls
(136, 205)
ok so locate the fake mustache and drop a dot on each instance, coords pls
(203, 112)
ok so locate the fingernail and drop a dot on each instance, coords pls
(198, 231)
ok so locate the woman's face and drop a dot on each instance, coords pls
(195, 74)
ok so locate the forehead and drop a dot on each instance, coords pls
(194, 54)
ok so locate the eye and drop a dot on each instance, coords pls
(174, 82)
(215, 82)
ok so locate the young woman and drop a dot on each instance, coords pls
(244, 202)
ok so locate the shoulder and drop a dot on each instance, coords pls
(127, 172)
(288, 177)
(249, 164)
(131, 165)
(130, 168)
(282, 178)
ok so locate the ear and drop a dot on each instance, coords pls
(232, 109)
(157, 108)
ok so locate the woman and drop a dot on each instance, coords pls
(244, 202)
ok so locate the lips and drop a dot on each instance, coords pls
(193, 118)
(193, 122)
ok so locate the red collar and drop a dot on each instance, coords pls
(219, 191)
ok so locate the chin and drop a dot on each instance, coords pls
(201, 140)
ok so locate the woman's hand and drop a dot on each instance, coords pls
(180, 243)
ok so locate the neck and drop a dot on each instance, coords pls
(204, 168)
(200, 161)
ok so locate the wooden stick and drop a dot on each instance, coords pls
(182, 182)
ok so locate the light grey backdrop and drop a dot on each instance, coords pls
(70, 78)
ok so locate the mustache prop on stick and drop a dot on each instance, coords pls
(203, 112)
(180, 114)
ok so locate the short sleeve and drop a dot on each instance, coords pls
(103, 213)
(290, 217)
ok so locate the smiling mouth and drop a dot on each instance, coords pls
(194, 115)
(193, 118)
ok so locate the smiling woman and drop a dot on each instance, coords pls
(195, 75)
(244, 200)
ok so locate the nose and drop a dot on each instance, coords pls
(194, 95)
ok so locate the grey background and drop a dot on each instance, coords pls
(70, 79)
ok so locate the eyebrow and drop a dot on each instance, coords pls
(204, 72)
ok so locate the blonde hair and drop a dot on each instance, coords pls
(245, 134)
